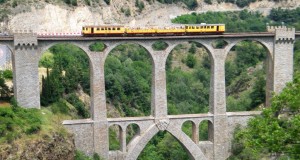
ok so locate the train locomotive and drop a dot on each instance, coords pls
(179, 30)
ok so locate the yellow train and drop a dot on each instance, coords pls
(113, 30)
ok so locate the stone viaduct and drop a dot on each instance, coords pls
(91, 135)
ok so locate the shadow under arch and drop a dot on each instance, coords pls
(189, 128)
(84, 51)
(267, 64)
(193, 150)
(203, 65)
(115, 139)
(206, 130)
(8, 66)
(121, 49)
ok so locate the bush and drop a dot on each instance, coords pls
(243, 21)
(71, 2)
(8, 74)
(87, 2)
(97, 47)
(127, 12)
(107, 2)
(191, 4)
(190, 61)
(208, 1)
(78, 104)
(159, 45)
(16, 121)
(60, 107)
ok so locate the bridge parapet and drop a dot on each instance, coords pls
(282, 33)
(25, 38)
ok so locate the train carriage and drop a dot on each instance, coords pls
(188, 29)
(102, 30)
(205, 29)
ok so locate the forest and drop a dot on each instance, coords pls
(128, 76)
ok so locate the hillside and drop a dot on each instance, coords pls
(57, 16)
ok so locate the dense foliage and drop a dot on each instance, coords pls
(245, 76)
(97, 47)
(289, 17)
(69, 67)
(188, 92)
(276, 131)
(5, 91)
(243, 21)
(163, 146)
(128, 78)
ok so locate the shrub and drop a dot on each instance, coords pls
(87, 2)
(208, 1)
(78, 104)
(190, 61)
(159, 45)
(60, 107)
(8, 74)
(107, 2)
(16, 121)
(97, 47)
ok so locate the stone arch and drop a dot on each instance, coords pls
(118, 137)
(137, 132)
(43, 47)
(192, 129)
(206, 44)
(262, 42)
(192, 148)
(210, 130)
(110, 46)
(134, 124)
(267, 44)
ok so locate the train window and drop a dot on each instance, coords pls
(198, 27)
(118, 28)
(201, 27)
(109, 29)
(113, 29)
(186, 27)
(102, 29)
(212, 27)
(98, 29)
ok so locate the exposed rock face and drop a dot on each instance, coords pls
(56, 147)
(50, 18)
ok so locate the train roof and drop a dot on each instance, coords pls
(94, 26)
(204, 24)
(173, 25)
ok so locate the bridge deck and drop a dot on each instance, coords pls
(78, 37)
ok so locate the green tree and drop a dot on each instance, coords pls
(192, 48)
(190, 61)
(276, 130)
